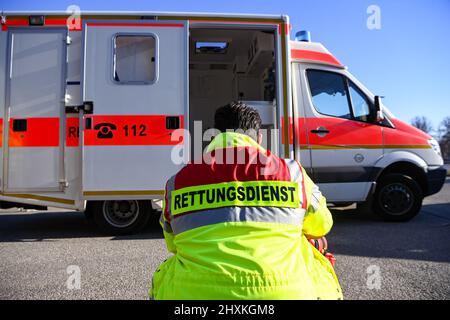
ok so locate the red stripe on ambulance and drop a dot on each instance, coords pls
(39, 132)
(72, 132)
(48, 22)
(349, 133)
(315, 56)
(121, 24)
(115, 130)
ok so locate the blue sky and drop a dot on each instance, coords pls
(407, 60)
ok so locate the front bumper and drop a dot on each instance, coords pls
(435, 179)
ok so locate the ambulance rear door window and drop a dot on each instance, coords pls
(135, 60)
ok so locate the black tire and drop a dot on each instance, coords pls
(121, 217)
(366, 207)
(90, 209)
(397, 197)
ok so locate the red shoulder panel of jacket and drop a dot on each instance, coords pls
(233, 164)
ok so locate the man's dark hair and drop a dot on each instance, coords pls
(237, 115)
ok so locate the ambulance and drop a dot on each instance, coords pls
(93, 107)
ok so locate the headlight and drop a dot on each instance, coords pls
(435, 146)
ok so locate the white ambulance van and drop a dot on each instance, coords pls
(91, 109)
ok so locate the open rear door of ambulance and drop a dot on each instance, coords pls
(135, 93)
(34, 117)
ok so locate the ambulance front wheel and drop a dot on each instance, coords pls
(397, 197)
(119, 217)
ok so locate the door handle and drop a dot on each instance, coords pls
(87, 107)
(320, 131)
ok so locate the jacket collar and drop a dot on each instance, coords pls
(233, 140)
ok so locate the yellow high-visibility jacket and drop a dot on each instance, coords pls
(236, 223)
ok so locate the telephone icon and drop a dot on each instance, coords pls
(105, 130)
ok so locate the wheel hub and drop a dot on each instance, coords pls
(396, 198)
(124, 207)
(121, 213)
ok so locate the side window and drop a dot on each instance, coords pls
(329, 93)
(134, 59)
(360, 104)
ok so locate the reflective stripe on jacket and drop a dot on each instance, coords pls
(236, 224)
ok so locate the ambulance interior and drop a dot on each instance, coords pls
(227, 65)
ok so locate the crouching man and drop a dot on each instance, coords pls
(238, 223)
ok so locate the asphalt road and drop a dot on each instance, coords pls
(375, 259)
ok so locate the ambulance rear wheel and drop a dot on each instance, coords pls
(397, 197)
(119, 217)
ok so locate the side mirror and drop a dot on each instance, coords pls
(379, 117)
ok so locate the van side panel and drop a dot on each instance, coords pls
(70, 195)
(72, 151)
(35, 91)
(343, 157)
(298, 104)
(128, 143)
